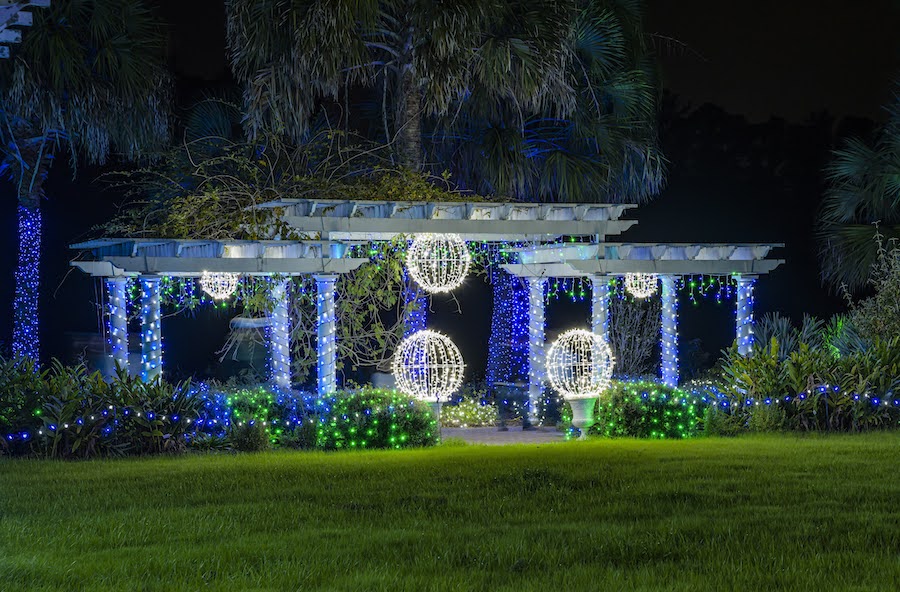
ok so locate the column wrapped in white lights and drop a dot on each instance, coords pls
(744, 316)
(669, 322)
(151, 329)
(537, 364)
(327, 345)
(600, 306)
(280, 335)
(117, 319)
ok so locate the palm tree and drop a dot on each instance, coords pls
(90, 77)
(592, 138)
(557, 94)
(861, 201)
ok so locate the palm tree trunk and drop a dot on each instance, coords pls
(410, 111)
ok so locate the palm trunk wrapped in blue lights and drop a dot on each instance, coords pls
(507, 359)
(26, 339)
(416, 305)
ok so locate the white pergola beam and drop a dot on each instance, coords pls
(194, 266)
(575, 268)
(477, 230)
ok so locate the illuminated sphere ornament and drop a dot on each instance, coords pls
(641, 285)
(428, 366)
(579, 366)
(219, 285)
(438, 262)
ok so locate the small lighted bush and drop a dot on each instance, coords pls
(469, 413)
(646, 409)
(374, 418)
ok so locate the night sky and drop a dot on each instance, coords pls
(767, 70)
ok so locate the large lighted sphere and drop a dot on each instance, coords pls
(641, 285)
(428, 366)
(219, 285)
(438, 262)
(580, 364)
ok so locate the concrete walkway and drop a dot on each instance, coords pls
(515, 435)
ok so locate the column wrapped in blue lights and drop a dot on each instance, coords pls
(117, 321)
(600, 306)
(151, 329)
(537, 363)
(669, 322)
(26, 340)
(744, 316)
(280, 334)
(327, 344)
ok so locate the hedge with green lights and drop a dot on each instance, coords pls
(375, 418)
(645, 410)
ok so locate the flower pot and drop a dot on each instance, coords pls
(583, 413)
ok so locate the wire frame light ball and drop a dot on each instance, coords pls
(580, 364)
(641, 285)
(219, 285)
(438, 262)
(428, 366)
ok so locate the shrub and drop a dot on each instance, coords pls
(251, 436)
(469, 413)
(645, 409)
(374, 418)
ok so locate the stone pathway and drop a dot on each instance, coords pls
(515, 435)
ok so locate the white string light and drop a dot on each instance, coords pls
(580, 364)
(669, 332)
(641, 285)
(428, 366)
(219, 285)
(438, 262)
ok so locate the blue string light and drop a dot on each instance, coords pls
(26, 338)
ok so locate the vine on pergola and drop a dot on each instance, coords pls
(195, 193)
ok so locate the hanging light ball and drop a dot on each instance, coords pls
(579, 366)
(219, 285)
(428, 366)
(641, 285)
(438, 262)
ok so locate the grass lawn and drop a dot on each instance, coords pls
(766, 513)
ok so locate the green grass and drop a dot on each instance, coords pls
(767, 513)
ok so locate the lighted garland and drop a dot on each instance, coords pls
(641, 285)
(580, 364)
(219, 285)
(438, 262)
(428, 366)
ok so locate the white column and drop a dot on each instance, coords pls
(280, 335)
(151, 330)
(600, 306)
(117, 321)
(744, 316)
(669, 321)
(537, 363)
(326, 346)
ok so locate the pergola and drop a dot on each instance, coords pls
(330, 227)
